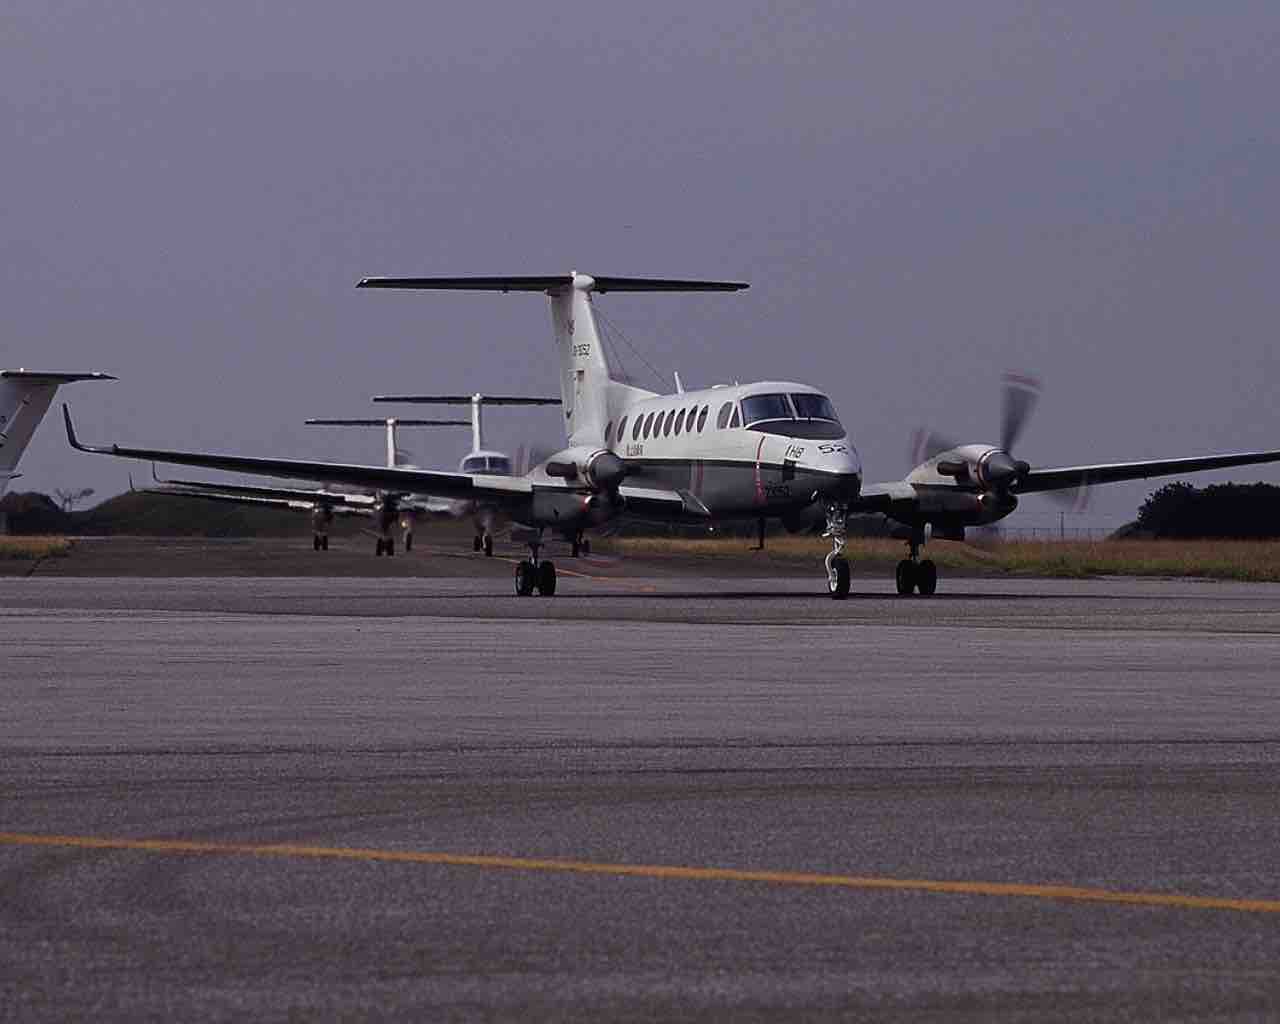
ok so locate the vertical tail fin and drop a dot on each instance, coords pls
(584, 368)
(25, 396)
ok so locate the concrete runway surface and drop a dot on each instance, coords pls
(658, 795)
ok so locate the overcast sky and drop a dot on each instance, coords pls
(922, 197)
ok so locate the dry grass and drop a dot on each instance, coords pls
(31, 548)
(1214, 559)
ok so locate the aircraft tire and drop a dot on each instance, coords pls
(476, 543)
(905, 577)
(927, 578)
(315, 543)
(379, 547)
(575, 549)
(324, 543)
(390, 545)
(525, 574)
(586, 546)
(839, 587)
(547, 579)
(488, 546)
(408, 542)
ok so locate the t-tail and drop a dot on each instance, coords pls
(396, 456)
(588, 389)
(24, 397)
(477, 403)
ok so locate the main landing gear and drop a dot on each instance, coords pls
(912, 573)
(837, 564)
(386, 546)
(534, 574)
(320, 542)
(484, 544)
(580, 544)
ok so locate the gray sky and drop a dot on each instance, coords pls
(921, 195)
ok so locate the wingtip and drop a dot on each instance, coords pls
(71, 430)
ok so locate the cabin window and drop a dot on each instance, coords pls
(666, 427)
(756, 408)
(702, 417)
(722, 420)
(648, 425)
(635, 429)
(622, 430)
(679, 422)
(608, 433)
(736, 421)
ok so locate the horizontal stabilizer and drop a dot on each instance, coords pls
(551, 283)
(52, 376)
(463, 400)
(393, 421)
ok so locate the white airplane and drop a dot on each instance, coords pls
(488, 517)
(768, 449)
(25, 395)
(387, 508)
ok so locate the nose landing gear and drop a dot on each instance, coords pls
(580, 544)
(534, 573)
(836, 563)
(912, 573)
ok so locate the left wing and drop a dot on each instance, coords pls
(475, 486)
(1111, 472)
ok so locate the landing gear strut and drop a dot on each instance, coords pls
(535, 574)
(580, 545)
(837, 564)
(914, 574)
(387, 546)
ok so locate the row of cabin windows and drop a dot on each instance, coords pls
(673, 421)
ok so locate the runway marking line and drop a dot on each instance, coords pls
(1068, 893)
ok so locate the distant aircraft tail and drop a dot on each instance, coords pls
(24, 397)
(585, 381)
(476, 401)
(396, 456)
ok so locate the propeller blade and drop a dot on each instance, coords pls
(1019, 399)
(1073, 501)
(926, 444)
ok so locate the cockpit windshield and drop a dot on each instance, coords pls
(814, 407)
(500, 464)
(756, 408)
(797, 415)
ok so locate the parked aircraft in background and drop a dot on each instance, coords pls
(488, 518)
(24, 397)
(385, 508)
(769, 449)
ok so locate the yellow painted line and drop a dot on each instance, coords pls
(671, 872)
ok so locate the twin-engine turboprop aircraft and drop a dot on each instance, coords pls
(770, 449)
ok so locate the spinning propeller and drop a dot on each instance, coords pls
(997, 469)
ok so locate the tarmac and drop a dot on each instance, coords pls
(676, 790)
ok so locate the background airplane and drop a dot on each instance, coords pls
(488, 517)
(769, 449)
(25, 395)
(386, 508)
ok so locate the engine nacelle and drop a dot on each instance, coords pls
(598, 468)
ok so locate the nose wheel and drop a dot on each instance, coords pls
(837, 564)
(535, 574)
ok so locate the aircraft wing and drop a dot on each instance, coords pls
(882, 497)
(650, 502)
(1067, 477)
(289, 494)
(475, 486)
(245, 499)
